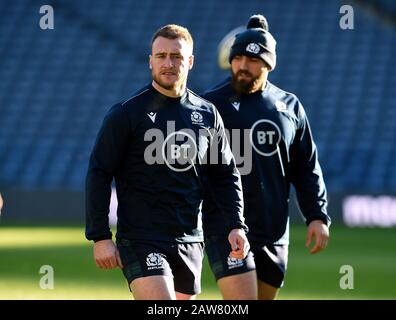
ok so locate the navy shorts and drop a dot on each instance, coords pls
(270, 261)
(218, 251)
(182, 261)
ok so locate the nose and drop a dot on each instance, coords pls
(243, 63)
(168, 62)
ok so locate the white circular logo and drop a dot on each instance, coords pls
(253, 48)
(180, 156)
(280, 106)
(154, 260)
(265, 136)
(196, 117)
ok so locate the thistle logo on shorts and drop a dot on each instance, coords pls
(196, 117)
(253, 48)
(234, 263)
(265, 136)
(154, 261)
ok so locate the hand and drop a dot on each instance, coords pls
(319, 230)
(239, 244)
(106, 255)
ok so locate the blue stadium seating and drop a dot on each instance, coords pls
(56, 85)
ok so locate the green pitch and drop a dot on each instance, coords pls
(23, 250)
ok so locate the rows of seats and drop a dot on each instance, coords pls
(56, 85)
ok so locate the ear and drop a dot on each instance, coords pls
(267, 67)
(190, 62)
(150, 61)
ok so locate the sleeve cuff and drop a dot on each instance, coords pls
(242, 226)
(102, 238)
(325, 219)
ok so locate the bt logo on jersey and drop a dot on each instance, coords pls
(180, 151)
(265, 136)
(179, 156)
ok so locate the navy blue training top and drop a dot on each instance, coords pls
(142, 144)
(273, 146)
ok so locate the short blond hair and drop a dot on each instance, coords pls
(173, 31)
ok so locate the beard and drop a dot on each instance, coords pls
(168, 85)
(247, 85)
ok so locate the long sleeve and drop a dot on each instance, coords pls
(225, 178)
(109, 149)
(306, 173)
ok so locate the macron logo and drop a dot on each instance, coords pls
(152, 116)
(236, 105)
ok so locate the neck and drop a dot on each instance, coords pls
(173, 93)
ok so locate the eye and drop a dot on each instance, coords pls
(177, 56)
